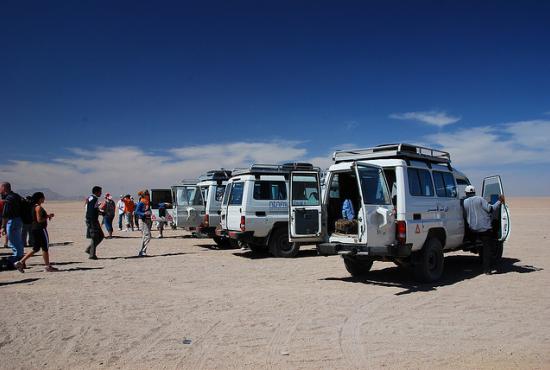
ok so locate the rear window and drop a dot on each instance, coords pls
(269, 190)
(460, 181)
(226, 194)
(444, 184)
(236, 196)
(373, 186)
(420, 182)
(305, 190)
(220, 189)
(161, 196)
(188, 196)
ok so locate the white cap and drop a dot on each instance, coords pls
(470, 189)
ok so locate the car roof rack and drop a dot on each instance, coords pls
(189, 181)
(273, 169)
(399, 151)
(216, 175)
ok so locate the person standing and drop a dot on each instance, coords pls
(93, 231)
(143, 211)
(479, 219)
(108, 208)
(5, 237)
(120, 207)
(136, 218)
(39, 230)
(11, 221)
(129, 212)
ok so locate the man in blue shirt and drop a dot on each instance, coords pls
(348, 213)
(12, 223)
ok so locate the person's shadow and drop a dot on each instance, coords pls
(457, 269)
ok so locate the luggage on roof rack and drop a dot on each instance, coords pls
(274, 168)
(215, 175)
(399, 151)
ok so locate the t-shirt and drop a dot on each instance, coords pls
(129, 206)
(120, 206)
(92, 211)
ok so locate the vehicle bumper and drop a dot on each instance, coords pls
(210, 231)
(328, 249)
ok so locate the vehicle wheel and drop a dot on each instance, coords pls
(279, 246)
(357, 267)
(497, 253)
(233, 243)
(221, 242)
(429, 262)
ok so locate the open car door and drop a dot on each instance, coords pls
(188, 206)
(376, 216)
(305, 208)
(491, 190)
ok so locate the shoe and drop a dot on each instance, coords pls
(92, 257)
(159, 237)
(50, 269)
(142, 254)
(19, 266)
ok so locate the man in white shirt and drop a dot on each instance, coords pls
(120, 207)
(479, 216)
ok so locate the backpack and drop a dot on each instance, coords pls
(26, 210)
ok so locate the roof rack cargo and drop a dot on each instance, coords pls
(221, 174)
(400, 151)
(189, 181)
(273, 169)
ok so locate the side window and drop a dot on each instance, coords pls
(269, 190)
(444, 184)
(460, 181)
(420, 182)
(334, 190)
(220, 189)
(236, 197)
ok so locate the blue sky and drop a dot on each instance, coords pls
(134, 94)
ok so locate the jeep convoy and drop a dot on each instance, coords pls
(406, 199)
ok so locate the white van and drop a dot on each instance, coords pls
(255, 208)
(408, 204)
(212, 185)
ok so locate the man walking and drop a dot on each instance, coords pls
(143, 211)
(93, 231)
(11, 221)
(479, 219)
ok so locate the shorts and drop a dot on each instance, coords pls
(41, 240)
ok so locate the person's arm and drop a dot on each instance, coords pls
(138, 211)
(38, 214)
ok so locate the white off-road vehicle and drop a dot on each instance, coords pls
(408, 209)
(197, 204)
(255, 208)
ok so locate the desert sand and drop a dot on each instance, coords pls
(190, 305)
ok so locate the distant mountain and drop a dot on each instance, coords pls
(48, 193)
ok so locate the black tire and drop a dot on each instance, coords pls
(233, 243)
(358, 267)
(221, 242)
(429, 262)
(279, 246)
(497, 254)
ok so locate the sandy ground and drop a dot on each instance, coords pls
(192, 306)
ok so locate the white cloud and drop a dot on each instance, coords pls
(516, 150)
(127, 169)
(435, 118)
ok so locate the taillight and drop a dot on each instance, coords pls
(206, 221)
(243, 223)
(401, 232)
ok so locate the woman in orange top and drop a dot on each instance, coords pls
(129, 212)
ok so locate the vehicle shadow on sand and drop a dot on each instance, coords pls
(145, 257)
(260, 255)
(457, 269)
(24, 281)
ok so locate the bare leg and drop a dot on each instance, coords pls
(46, 257)
(27, 256)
